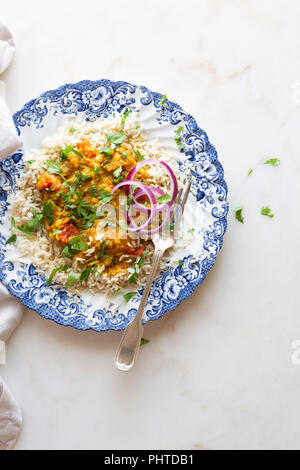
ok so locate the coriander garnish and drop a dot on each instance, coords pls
(125, 115)
(144, 341)
(116, 139)
(12, 240)
(129, 295)
(273, 162)
(164, 198)
(164, 98)
(267, 212)
(56, 270)
(139, 155)
(238, 214)
(72, 280)
(178, 139)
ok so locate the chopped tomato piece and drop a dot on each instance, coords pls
(48, 181)
(68, 232)
(134, 251)
(87, 150)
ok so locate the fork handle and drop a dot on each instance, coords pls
(131, 339)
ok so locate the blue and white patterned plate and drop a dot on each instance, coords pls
(206, 210)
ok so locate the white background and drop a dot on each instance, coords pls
(217, 373)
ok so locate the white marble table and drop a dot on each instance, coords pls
(217, 373)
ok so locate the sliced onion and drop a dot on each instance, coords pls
(140, 207)
(173, 182)
(152, 231)
(151, 197)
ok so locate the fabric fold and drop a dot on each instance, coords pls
(10, 418)
(7, 47)
(11, 312)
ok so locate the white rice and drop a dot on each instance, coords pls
(45, 255)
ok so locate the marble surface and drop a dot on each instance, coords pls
(217, 373)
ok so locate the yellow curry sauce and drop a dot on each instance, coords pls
(73, 190)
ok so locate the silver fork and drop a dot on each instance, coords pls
(131, 339)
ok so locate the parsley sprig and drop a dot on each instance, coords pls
(177, 139)
(139, 264)
(75, 245)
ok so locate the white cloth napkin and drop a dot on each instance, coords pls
(11, 310)
(7, 47)
(9, 141)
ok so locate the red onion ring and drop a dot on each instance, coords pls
(152, 231)
(173, 181)
(151, 197)
(140, 207)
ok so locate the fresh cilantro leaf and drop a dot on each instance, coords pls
(96, 170)
(164, 98)
(180, 264)
(129, 296)
(66, 197)
(11, 239)
(116, 139)
(85, 274)
(117, 172)
(50, 279)
(106, 151)
(144, 341)
(164, 198)
(64, 154)
(75, 244)
(72, 130)
(72, 280)
(267, 211)
(273, 162)
(250, 171)
(13, 223)
(54, 167)
(81, 177)
(94, 191)
(140, 157)
(178, 139)
(125, 115)
(130, 197)
(30, 162)
(32, 224)
(47, 211)
(101, 254)
(116, 290)
(138, 126)
(118, 175)
(238, 214)
(105, 196)
(56, 270)
(133, 278)
(142, 259)
(66, 252)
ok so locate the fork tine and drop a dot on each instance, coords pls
(184, 200)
